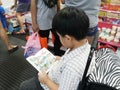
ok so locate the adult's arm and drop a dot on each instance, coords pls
(34, 15)
(63, 1)
(15, 3)
(0, 25)
(0, 2)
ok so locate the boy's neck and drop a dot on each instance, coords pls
(78, 44)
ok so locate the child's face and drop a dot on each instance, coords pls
(65, 40)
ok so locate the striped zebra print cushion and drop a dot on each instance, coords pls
(107, 68)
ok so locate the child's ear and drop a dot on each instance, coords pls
(68, 37)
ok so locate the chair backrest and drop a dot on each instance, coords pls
(107, 68)
(106, 75)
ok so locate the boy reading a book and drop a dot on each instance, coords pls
(71, 26)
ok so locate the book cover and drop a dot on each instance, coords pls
(42, 60)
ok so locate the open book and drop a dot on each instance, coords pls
(42, 60)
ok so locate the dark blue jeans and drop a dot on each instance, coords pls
(31, 84)
(92, 31)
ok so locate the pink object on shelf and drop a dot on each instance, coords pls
(103, 24)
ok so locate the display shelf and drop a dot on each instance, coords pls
(110, 43)
(109, 14)
(111, 7)
(106, 25)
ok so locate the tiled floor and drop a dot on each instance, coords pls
(13, 67)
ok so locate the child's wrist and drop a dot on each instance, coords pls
(47, 81)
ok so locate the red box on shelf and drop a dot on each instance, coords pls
(111, 7)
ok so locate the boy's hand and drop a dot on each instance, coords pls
(43, 77)
(35, 27)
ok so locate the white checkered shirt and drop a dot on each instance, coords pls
(69, 70)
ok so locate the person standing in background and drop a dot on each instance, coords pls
(11, 48)
(22, 6)
(3, 28)
(91, 8)
(2, 16)
(42, 22)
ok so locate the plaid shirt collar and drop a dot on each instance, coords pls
(71, 54)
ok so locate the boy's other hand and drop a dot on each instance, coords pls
(43, 77)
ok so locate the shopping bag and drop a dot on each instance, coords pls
(32, 45)
(43, 41)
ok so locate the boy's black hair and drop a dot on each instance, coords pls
(71, 21)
